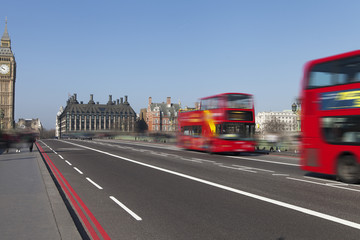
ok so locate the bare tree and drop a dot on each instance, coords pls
(47, 133)
(274, 126)
(141, 126)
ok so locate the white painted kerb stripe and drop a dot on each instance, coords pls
(251, 195)
(126, 208)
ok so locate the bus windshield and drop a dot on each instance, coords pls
(335, 73)
(239, 101)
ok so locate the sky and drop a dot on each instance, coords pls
(183, 49)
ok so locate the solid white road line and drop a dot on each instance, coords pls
(337, 184)
(324, 184)
(126, 208)
(280, 174)
(68, 162)
(267, 161)
(78, 170)
(259, 169)
(320, 179)
(94, 183)
(234, 190)
(327, 180)
(237, 168)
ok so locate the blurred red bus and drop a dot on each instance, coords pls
(224, 123)
(330, 117)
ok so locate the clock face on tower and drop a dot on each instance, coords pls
(4, 69)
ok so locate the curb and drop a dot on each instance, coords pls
(65, 224)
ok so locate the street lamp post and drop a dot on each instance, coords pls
(2, 115)
(295, 107)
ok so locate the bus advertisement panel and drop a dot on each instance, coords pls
(224, 123)
(330, 117)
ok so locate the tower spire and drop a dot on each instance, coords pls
(5, 36)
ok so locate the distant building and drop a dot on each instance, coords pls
(7, 82)
(286, 118)
(162, 117)
(57, 122)
(78, 117)
(33, 125)
(142, 115)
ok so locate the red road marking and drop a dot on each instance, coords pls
(70, 193)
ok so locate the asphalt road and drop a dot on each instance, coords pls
(153, 191)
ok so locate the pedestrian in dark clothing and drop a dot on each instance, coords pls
(31, 141)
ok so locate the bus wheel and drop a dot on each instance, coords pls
(348, 169)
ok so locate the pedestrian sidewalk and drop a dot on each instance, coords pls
(30, 204)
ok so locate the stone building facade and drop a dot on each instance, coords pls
(7, 82)
(33, 125)
(287, 119)
(117, 116)
(162, 117)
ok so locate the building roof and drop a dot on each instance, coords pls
(74, 107)
(5, 36)
(6, 51)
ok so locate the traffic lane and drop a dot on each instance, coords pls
(172, 148)
(105, 210)
(175, 201)
(275, 185)
(282, 164)
(338, 199)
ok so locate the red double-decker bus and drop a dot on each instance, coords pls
(330, 116)
(224, 123)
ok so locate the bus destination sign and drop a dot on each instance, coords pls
(340, 99)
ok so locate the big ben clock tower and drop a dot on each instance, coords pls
(7, 82)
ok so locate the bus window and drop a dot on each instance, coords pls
(355, 77)
(210, 103)
(335, 73)
(191, 130)
(342, 130)
(239, 101)
(323, 79)
(240, 131)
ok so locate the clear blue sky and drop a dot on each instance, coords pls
(185, 49)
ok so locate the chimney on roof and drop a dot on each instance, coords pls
(150, 100)
(168, 101)
(121, 100)
(91, 99)
(110, 100)
(117, 101)
(126, 100)
(73, 99)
